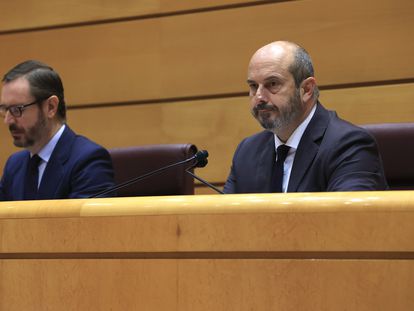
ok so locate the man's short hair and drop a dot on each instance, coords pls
(43, 80)
(302, 68)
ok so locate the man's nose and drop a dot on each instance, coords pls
(261, 94)
(8, 118)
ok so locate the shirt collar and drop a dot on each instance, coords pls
(47, 150)
(294, 139)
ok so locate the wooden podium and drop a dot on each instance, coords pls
(320, 251)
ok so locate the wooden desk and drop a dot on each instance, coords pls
(330, 251)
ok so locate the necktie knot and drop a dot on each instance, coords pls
(35, 161)
(282, 152)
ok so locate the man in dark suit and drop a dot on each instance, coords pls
(56, 163)
(304, 148)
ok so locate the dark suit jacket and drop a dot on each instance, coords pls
(77, 168)
(333, 155)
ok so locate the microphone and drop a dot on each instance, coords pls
(198, 157)
(202, 162)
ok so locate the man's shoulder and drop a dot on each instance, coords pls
(258, 138)
(77, 149)
(18, 157)
(80, 143)
(339, 127)
(84, 149)
(84, 143)
(15, 162)
(255, 143)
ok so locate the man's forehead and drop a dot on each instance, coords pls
(20, 83)
(271, 59)
(18, 89)
(277, 51)
(268, 69)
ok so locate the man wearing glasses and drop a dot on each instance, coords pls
(56, 163)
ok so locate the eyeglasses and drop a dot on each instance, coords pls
(16, 110)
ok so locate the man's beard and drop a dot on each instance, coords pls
(32, 134)
(286, 114)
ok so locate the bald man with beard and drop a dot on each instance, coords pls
(314, 150)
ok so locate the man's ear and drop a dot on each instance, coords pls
(307, 89)
(51, 105)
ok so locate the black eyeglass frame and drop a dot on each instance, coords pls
(15, 110)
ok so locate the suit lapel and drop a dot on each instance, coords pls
(308, 147)
(54, 172)
(265, 164)
(20, 178)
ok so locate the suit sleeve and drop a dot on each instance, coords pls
(2, 196)
(355, 165)
(231, 183)
(92, 174)
(7, 191)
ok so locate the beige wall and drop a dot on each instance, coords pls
(175, 71)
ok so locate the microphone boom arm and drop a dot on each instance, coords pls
(204, 181)
(134, 180)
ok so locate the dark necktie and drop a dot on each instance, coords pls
(32, 178)
(277, 176)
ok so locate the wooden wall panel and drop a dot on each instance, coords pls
(376, 104)
(201, 189)
(23, 14)
(207, 53)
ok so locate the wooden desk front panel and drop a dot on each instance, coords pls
(206, 284)
(320, 251)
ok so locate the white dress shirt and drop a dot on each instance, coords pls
(46, 152)
(293, 143)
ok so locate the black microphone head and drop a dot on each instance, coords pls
(201, 155)
(201, 158)
(202, 163)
